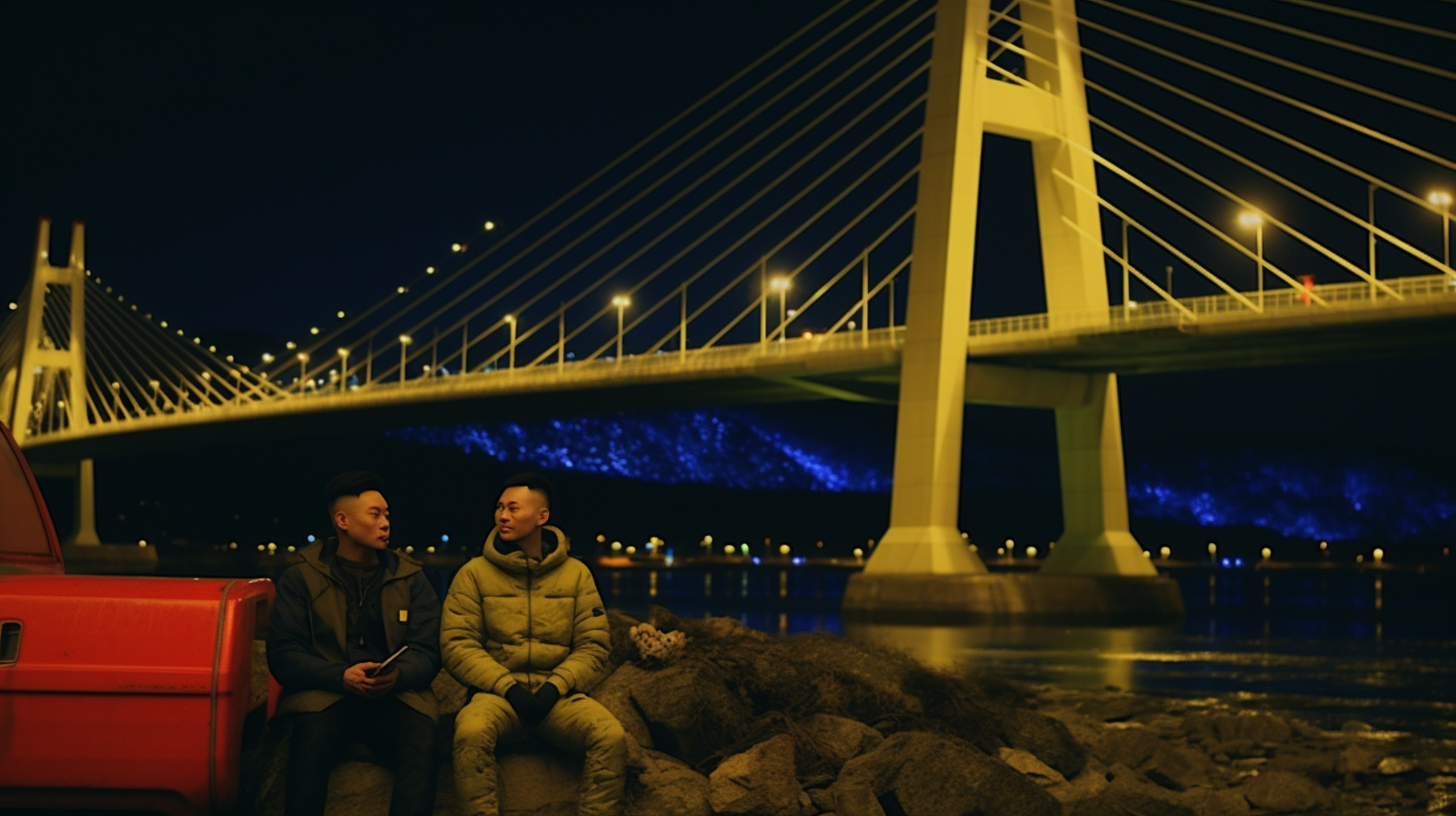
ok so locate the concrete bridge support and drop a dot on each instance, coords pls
(922, 569)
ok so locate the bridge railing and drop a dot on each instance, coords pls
(1283, 302)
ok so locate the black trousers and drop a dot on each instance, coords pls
(400, 736)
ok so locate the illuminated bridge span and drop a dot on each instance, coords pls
(1285, 169)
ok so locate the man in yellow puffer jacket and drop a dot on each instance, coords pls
(524, 629)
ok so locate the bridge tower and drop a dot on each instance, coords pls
(46, 389)
(922, 565)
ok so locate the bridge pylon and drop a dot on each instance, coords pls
(46, 387)
(923, 567)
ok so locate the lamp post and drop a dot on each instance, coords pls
(1442, 199)
(343, 368)
(404, 341)
(302, 370)
(780, 284)
(511, 349)
(1255, 220)
(621, 302)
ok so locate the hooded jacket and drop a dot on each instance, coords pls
(512, 619)
(308, 623)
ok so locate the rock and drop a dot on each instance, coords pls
(1252, 727)
(664, 786)
(1114, 707)
(758, 782)
(1356, 727)
(1130, 795)
(1026, 764)
(1394, 766)
(1206, 802)
(689, 711)
(1179, 768)
(359, 789)
(1087, 784)
(615, 695)
(839, 739)
(1285, 792)
(1045, 737)
(932, 775)
(1358, 758)
(1129, 746)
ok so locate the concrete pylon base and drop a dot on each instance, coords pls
(980, 598)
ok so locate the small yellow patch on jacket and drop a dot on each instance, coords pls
(404, 616)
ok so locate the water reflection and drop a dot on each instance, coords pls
(1079, 657)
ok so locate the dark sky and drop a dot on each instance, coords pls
(244, 168)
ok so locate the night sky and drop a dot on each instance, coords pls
(245, 170)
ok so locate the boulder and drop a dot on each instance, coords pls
(662, 785)
(758, 782)
(615, 695)
(1251, 726)
(1285, 792)
(1128, 746)
(1178, 768)
(1130, 793)
(1026, 764)
(932, 775)
(1045, 737)
(839, 739)
(689, 710)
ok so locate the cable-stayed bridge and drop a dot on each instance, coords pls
(1209, 186)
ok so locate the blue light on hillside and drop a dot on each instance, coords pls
(724, 448)
(1296, 496)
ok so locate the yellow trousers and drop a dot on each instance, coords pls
(577, 723)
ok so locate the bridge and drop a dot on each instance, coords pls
(1287, 173)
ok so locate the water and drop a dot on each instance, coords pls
(1329, 645)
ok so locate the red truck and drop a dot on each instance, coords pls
(119, 692)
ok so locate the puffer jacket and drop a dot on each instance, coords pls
(307, 624)
(510, 619)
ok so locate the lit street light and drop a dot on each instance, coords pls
(343, 367)
(302, 370)
(621, 302)
(404, 341)
(1442, 199)
(780, 284)
(511, 321)
(1255, 220)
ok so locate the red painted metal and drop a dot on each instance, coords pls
(129, 690)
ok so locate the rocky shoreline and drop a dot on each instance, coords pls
(727, 721)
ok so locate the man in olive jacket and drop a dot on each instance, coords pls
(524, 629)
(347, 606)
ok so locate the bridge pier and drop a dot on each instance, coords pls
(923, 570)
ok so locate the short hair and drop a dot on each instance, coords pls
(531, 481)
(352, 483)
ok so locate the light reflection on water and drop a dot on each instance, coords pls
(1330, 645)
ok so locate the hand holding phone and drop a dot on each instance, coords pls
(384, 667)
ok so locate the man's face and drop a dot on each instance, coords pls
(519, 512)
(365, 518)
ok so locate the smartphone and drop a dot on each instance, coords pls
(384, 667)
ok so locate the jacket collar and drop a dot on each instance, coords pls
(324, 556)
(554, 549)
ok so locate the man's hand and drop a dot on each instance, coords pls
(524, 702)
(358, 681)
(546, 697)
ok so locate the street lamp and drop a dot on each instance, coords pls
(343, 367)
(1249, 218)
(621, 302)
(780, 284)
(511, 321)
(302, 370)
(404, 341)
(1442, 199)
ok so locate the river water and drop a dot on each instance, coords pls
(1329, 645)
